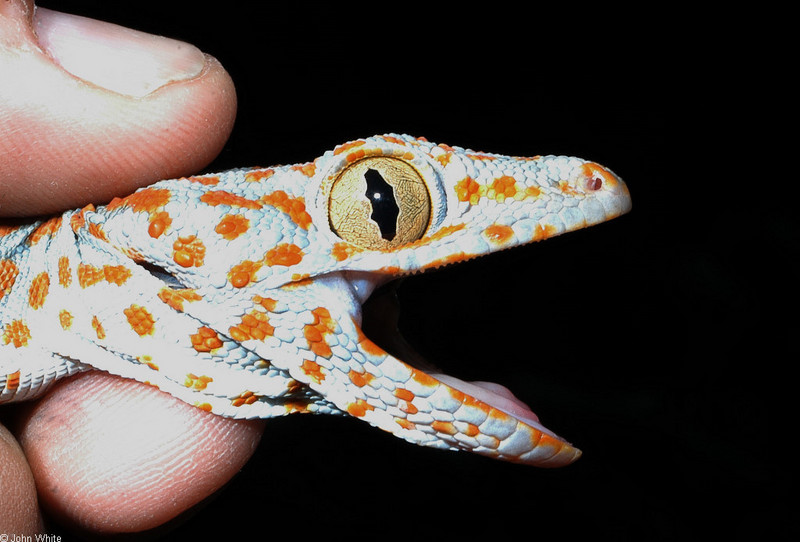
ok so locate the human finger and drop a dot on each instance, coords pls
(93, 110)
(112, 455)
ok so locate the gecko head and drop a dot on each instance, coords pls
(396, 204)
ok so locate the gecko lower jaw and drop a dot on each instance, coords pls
(380, 323)
(497, 396)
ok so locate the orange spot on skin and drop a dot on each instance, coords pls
(313, 370)
(6, 229)
(98, 328)
(471, 401)
(481, 156)
(8, 276)
(360, 379)
(347, 146)
(445, 158)
(159, 224)
(423, 378)
(140, 320)
(206, 180)
(46, 229)
(293, 407)
(113, 274)
(469, 190)
(89, 275)
(189, 251)
(407, 396)
(96, 231)
(37, 293)
(258, 175)
(566, 188)
(294, 207)
(390, 270)
(254, 325)
(285, 254)
(405, 424)
(342, 251)
(404, 394)
(441, 234)
(16, 333)
(543, 231)
(532, 192)
(116, 274)
(458, 395)
(12, 381)
(297, 284)
(205, 340)
(444, 427)
(499, 234)
(243, 273)
(395, 140)
(306, 169)
(197, 382)
(268, 303)
(176, 298)
(315, 332)
(359, 408)
(147, 199)
(452, 258)
(222, 197)
(232, 226)
(502, 188)
(65, 319)
(64, 273)
(78, 220)
(245, 398)
(356, 155)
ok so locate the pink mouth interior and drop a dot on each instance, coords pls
(499, 397)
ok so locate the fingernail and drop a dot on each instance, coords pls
(114, 57)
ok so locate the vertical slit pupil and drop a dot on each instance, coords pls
(384, 206)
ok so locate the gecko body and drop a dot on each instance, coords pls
(241, 292)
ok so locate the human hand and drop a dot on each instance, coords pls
(107, 455)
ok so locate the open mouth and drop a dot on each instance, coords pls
(381, 314)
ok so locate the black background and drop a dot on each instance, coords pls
(652, 342)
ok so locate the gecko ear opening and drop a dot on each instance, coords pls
(379, 203)
(161, 274)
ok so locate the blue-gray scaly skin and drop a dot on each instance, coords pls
(241, 292)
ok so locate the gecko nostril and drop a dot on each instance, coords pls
(595, 183)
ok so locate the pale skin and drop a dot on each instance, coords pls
(70, 136)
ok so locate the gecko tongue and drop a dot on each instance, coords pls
(497, 396)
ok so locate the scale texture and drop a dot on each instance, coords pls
(241, 292)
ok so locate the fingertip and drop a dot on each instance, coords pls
(19, 509)
(112, 455)
(113, 57)
(74, 131)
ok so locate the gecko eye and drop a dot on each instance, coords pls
(379, 203)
